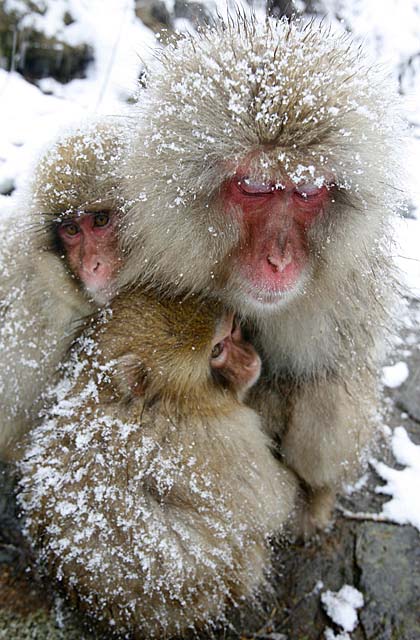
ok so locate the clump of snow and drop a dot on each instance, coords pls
(52, 21)
(6, 207)
(394, 375)
(341, 607)
(403, 485)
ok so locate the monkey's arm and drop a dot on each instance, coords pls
(327, 433)
(40, 314)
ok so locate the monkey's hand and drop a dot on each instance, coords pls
(327, 432)
(316, 512)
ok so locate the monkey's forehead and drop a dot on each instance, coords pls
(302, 95)
(81, 169)
(266, 78)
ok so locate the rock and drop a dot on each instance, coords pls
(197, 13)
(38, 625)
(303, 573)
(409, 396)
(280, 8)
(388, 558)
(154, 14)
(7, 185)
(35, 55)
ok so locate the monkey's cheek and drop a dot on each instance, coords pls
(246, 366)
(254, 370)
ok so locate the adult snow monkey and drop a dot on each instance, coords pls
(59, 262)
(264, 175)
(149, 488)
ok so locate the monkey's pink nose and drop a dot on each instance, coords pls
(280, 260)
(274, 262)
(96, 274)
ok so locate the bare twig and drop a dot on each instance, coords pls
(364, 515)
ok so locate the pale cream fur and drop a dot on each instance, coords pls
(300, 102)
(42, 306)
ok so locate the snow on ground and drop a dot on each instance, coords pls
(120, 42)
(407, 234)
(30, 119)
(403, 485)
(341, 607)
(394, 375)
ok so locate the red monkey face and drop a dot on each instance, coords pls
(89, 241)
(274, 220)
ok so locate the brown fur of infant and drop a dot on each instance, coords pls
(149, 489)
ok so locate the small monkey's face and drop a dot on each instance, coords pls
(232, 357)
(181, 350)
(90, 245)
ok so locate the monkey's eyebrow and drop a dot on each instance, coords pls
(49, 217)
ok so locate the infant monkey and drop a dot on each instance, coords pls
(149, 488)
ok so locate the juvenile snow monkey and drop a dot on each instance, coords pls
(59, 261)
(149, 488)
(265, 174)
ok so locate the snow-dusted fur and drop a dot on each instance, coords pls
(297, 102)
(41, 305)
(149, 489)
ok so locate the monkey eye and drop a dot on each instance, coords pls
(255, 187)
(70, 229)
(308, 190)
(101, 219)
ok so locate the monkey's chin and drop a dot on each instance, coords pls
(268, 301)
(100, 296)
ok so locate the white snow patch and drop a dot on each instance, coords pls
(30, 120)
(341, 607)
(395, 375)
(403, 485)
(407, 234)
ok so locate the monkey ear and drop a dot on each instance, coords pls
(130, 376)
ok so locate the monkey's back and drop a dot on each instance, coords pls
(155, 523)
